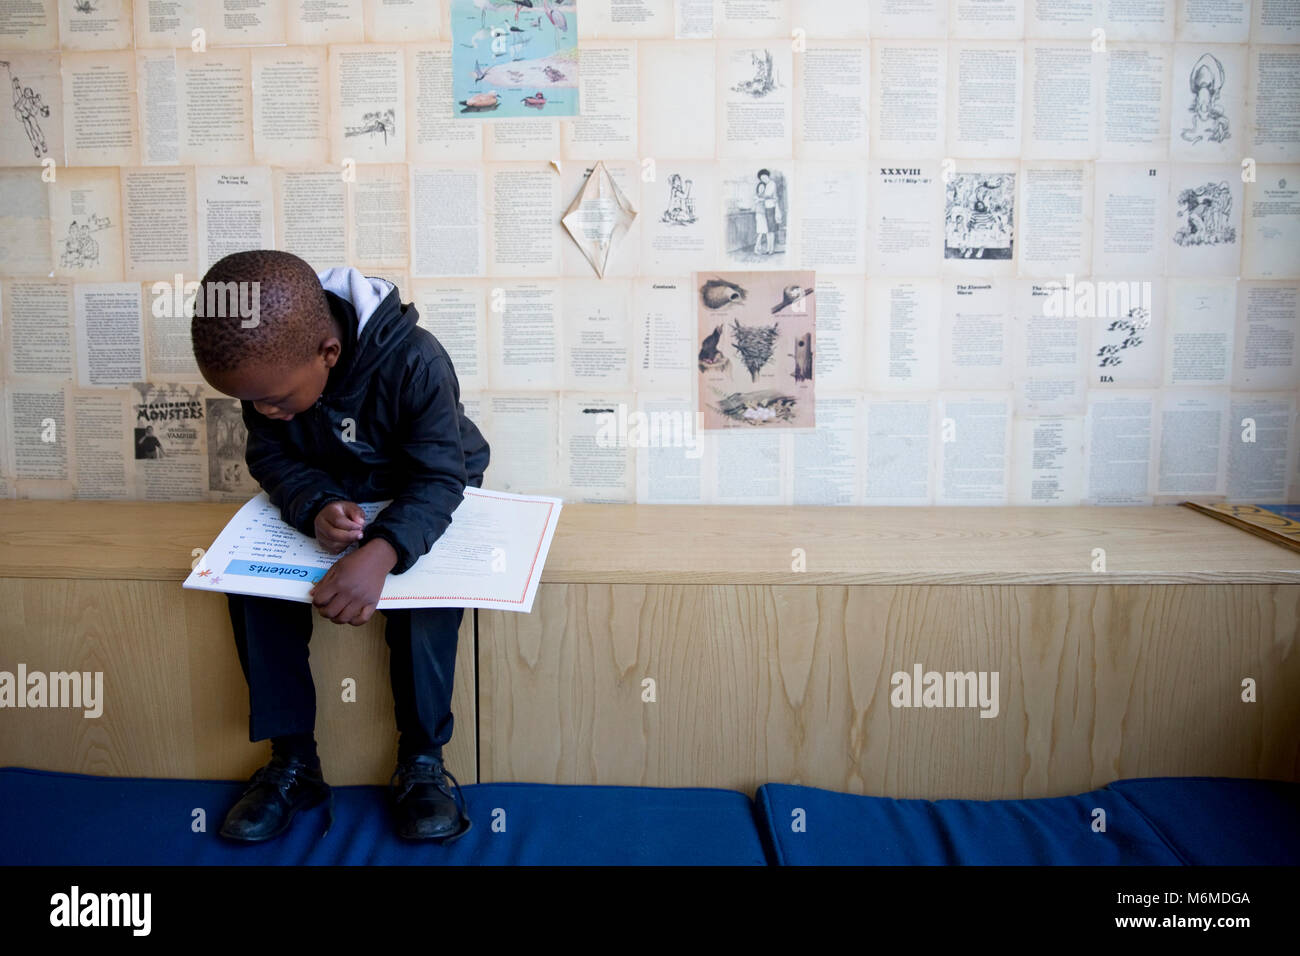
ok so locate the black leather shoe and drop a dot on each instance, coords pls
(274, 794)
(424, 806)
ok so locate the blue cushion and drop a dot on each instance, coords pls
(1221, 821)
(852, 830)
(63, 819)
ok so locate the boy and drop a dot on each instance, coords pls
(345, 400)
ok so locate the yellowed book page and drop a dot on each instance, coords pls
(168, 24)
(155, 78)
(608, 94)
(455, 312)
(598, 466)
(378, 224)
(317, 22)
(110, 333)
(169, 350)
(436, 135)
(675, 100)
(524, 231)
(626, 20)
(367, 104)
(235, 211)
(24, 223)
(39, 426)
(290, 106)
(29, 25)
(596, 327)
(102, 442)
(402, 21)
(311, 215)
(216, 107)
(99, 109)
(86, 225)
(242, 22)
(95, 25)
(38, 330)
(447, 229)
(158, 231)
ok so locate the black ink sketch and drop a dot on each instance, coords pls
(84, 6)
(29, 107)
(758, 408)
(681, 205)
(711, 356)
(764, 80)
(789, 296)
(375, 122)
(80, 251)
(767, 213)
(754, 344)
(978, 216)
(1130, 328)
(716, 293)
(1208, 119)
(1206, 209)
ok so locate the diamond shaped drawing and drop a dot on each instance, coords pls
(598, 216)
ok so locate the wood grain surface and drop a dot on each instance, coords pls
(666, 544)
(175, 701)
(792, 684)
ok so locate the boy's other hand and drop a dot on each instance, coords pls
(349, 591)
(339, 525)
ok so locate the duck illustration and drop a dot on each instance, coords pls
(537, 100)
(480, 102)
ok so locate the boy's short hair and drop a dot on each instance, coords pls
(263, 306)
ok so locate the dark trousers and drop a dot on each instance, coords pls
(272, 636)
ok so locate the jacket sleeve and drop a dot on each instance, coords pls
(296, 488)
(434, 460)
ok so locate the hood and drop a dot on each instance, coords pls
(374, 322)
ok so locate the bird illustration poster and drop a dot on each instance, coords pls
(514, 58)
(757, 345)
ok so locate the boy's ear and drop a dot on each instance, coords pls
(330, 349)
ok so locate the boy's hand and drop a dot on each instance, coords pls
(339, 525)
(349, 591)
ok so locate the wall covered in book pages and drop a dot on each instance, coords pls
(1055, 246)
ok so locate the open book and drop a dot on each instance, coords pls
(491, 555)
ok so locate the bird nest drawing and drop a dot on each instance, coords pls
(755, 344)
(758, 408)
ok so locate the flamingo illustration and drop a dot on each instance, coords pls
(519, 5)
(558, 20)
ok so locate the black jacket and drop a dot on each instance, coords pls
(394, 396)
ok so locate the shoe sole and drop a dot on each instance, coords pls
(288, 821)
(443, 840)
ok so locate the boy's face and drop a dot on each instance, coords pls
(278, 392)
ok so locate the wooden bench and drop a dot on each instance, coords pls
(713, 646)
